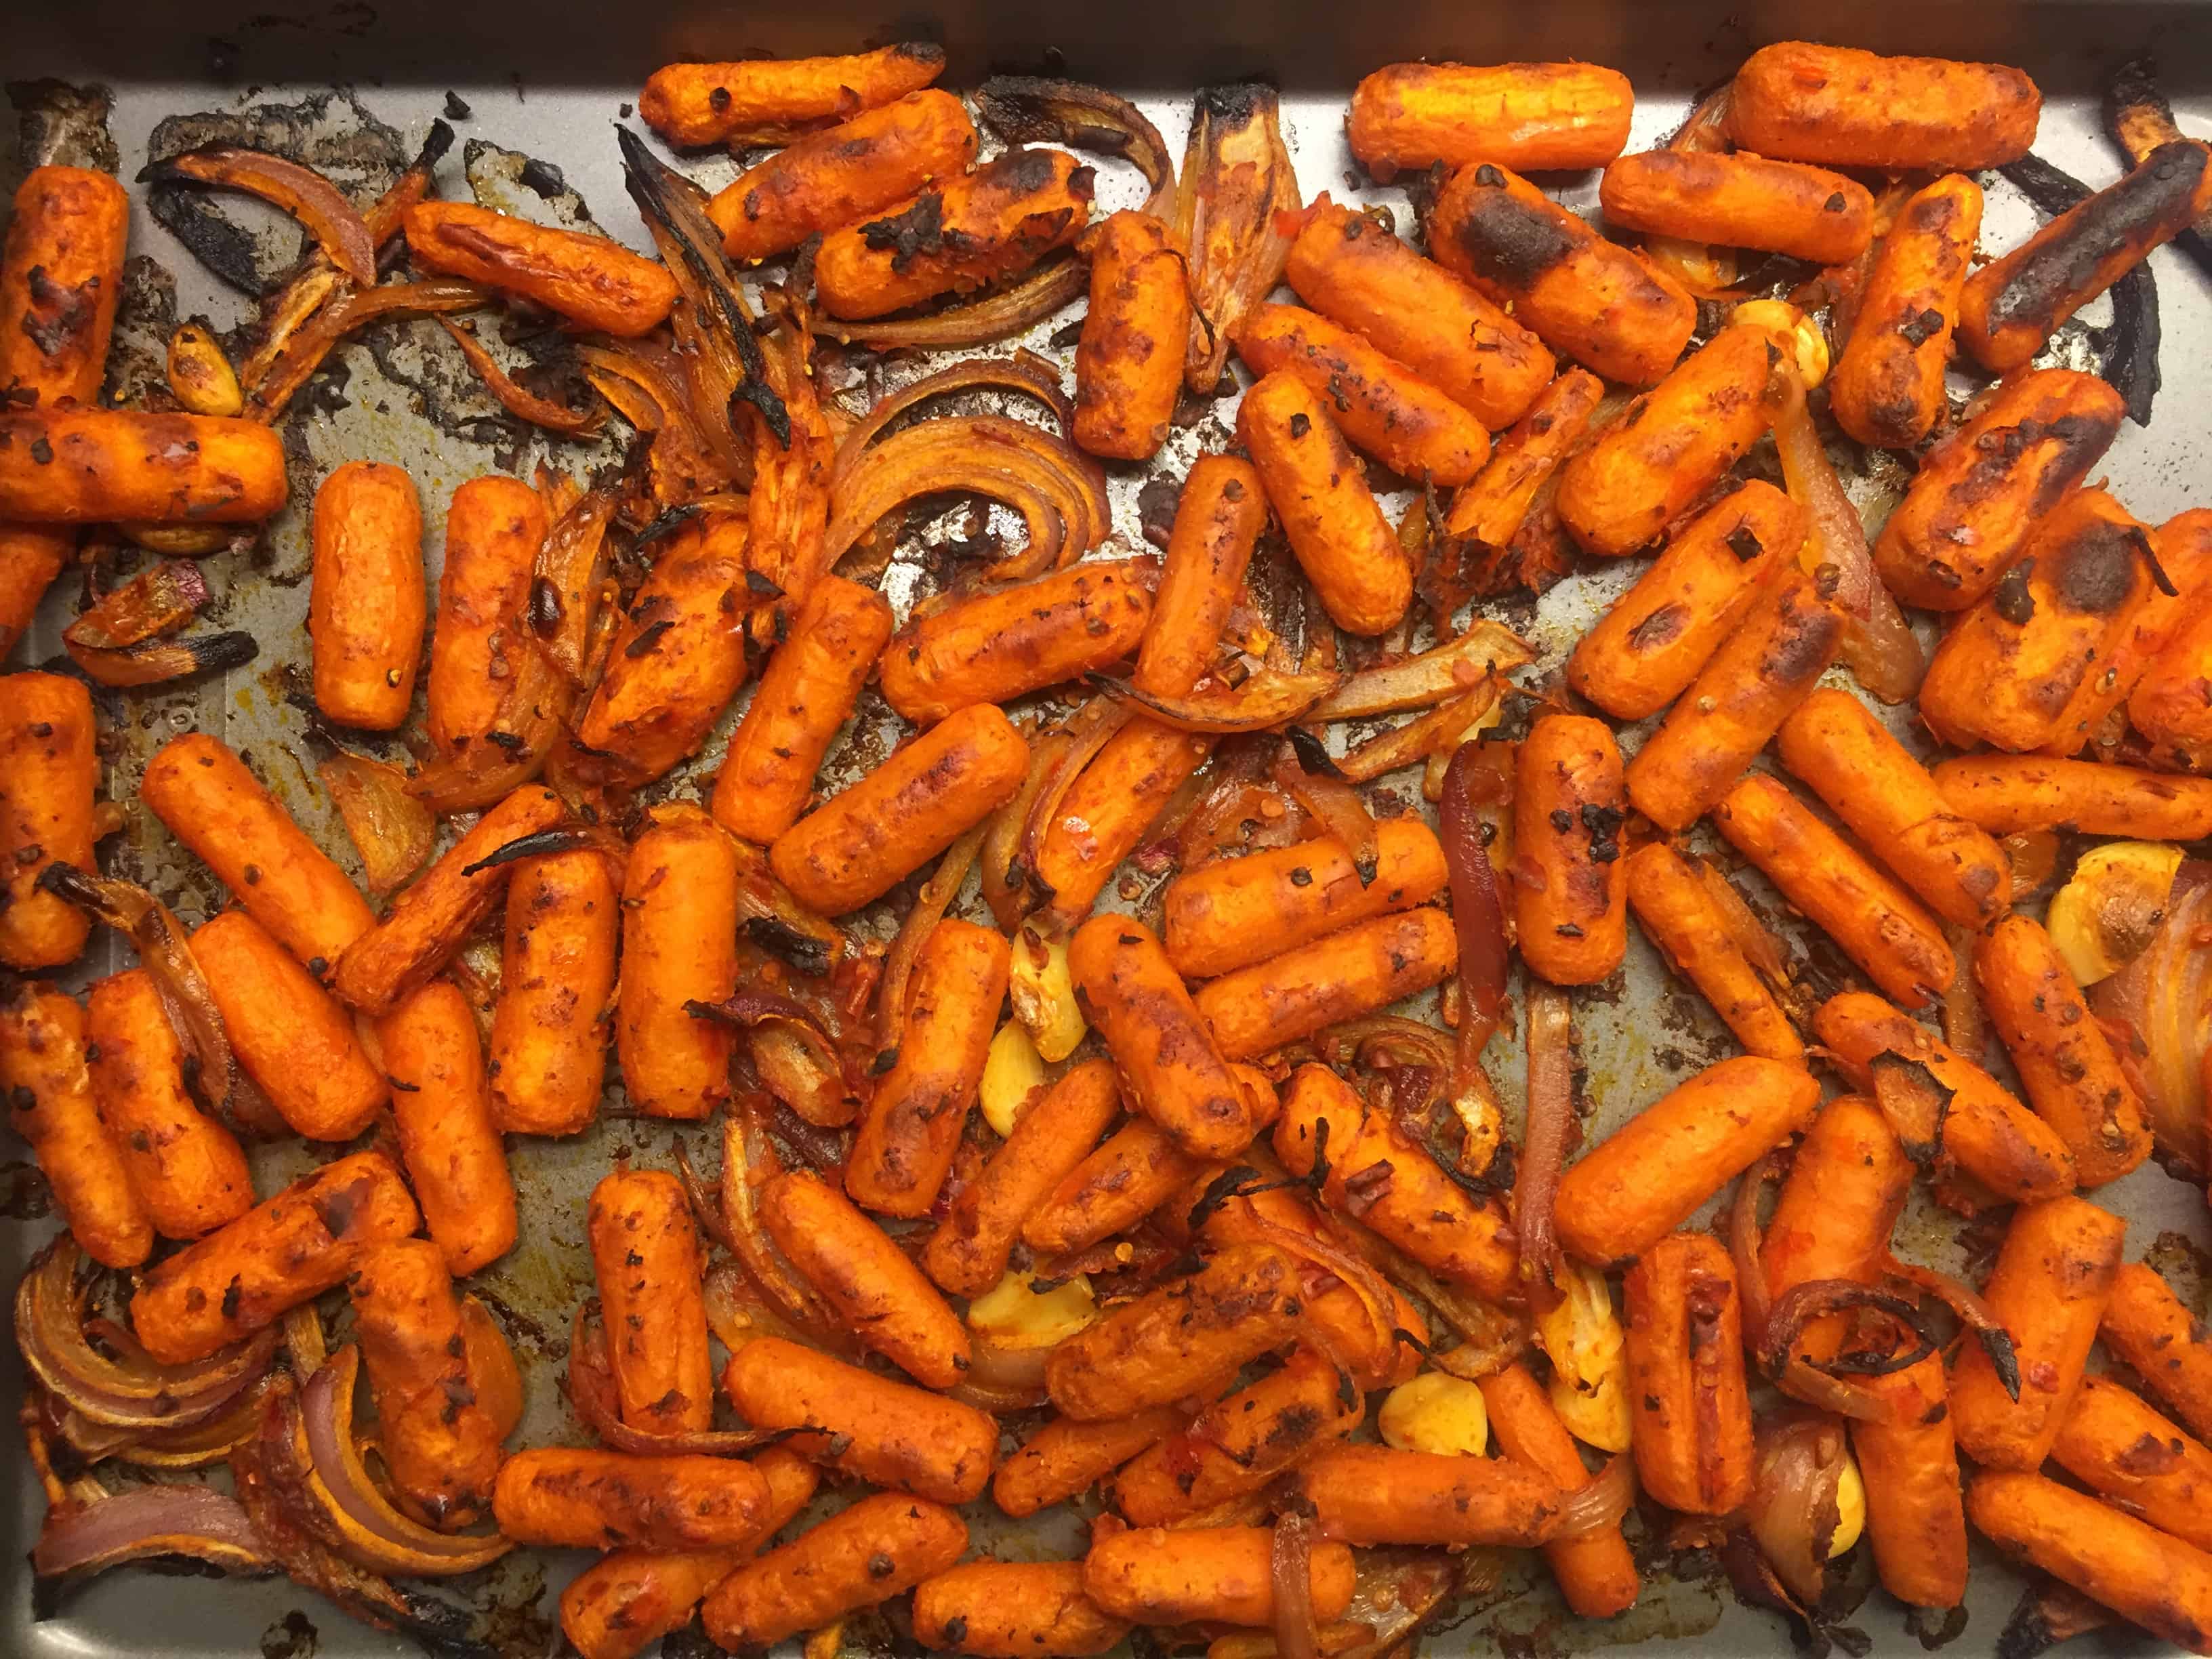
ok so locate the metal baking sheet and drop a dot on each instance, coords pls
(548, 80)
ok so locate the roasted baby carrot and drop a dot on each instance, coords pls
(872, 1284)
(877, 1548)
(1979, 492)
(968, 1252)
(1739, 700)
(843, 173)
(2131, 1456)
(1538, 117)
(2011, 307)
(1887, 387)
(1492, 508)
(1018, 638)
(1013, 1610)
(1413, 1204)
(888, 1433)
(1066, 1458)
(1991, 1135)
(1650, 644)
(565, 1497)
(51, 1106)
(679, 946)
(764, 100)
(1129, 362)
(1218, 517)
(904, 1146)
(2163, 673)
(2129, 1565)
(2018, 670)
(589, 279)
(211, 803)
(1108, 810)
(1570, 890)
(1586, 298)
(286, 1251)
(1383, 408)
(1741, 201)
(2053, 1275)
(1340, 977)
(2003, 793)
(186, 1170)
(429, 922)
(367, 603)
(1697, 932)
(1377, 1495)
(1692, 1439)
(1835, 1213)
(289, 1034)
(1672, 445)
(1234, 912)
(959, 234)
(1875, 922)
(441, 1446)
(680, 655)
(858, 845)
(649, 1268)
(2147, 1325)
(1854, 109)
(1910, 1464)
(455, 1158)
(549, 1027)
(1135, 1000)
(1869, 779)
(805, 693)
(1651, 1175)
(1238, 1444)
(1221, 1575)
(495, 527)
(2065, 1061)
(1137, 1170)
(1354, 272)
(1344, 544)
(107, 464)
(49, 765)
(1595, 1570)
(1186, 1336)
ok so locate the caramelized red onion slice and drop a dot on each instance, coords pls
(998, 314)
(1478, 907)
(1451, 669)
(1794, 1513)
(314, 200)
(392, 831)
(164, 662)
(929, 906)
(517, 400)
(1265, 700)
(1745, 1239)
(1291, 1569)
(1597, 1504)
(158, 600)
(1024, 371)
(1025, 109)
(1976, 1315)
(2162, 999)
(1544, 1143)
(1305, 773)
(146, 1522)
(1828, 1385)
(340, 316)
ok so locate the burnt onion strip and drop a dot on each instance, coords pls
(2141, 120)
(516, 400)
(1266, 700)
(301, 192)
(163, 662)
(747, 1010)
(1304, 771)
(1026, 109)
(1544, 1143)
(158, 600)
(1826, 1383)
(1975, 1314)
(2128, 358)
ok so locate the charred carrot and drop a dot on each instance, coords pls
(1697, 932)
(1651, 1175)
(1570, 894)
(1013, 1610)
(441, 1446)
(976, 229)
(1741, 201)
(1128, 362)
(1340, 977)
(968, 1252)
(1540, 117)
(574, 1499)
(1673, 444)
(865, 1278)
(877, 1548)
(1978, 493)
(494, 530)
(1739, 700)
(855, 847)
(679, 946)
(1136, 1001)
(367, 604)
(2003, 793)
(49, 765)
(1887, 387)
(589, 279)
(887, 1433)
(649, 1268)
(1595, 1570)
(1854, 109)
(805, 693)
(2147, 1325)
(1376, 1495)
(106, 464)
(2053, 1275)
(289, 1034)
(1383, 408)
(843, 173)
(1238, 1444)
(1496, 504)
(1354, 272)
(1221, 1575)
(1914, 1520)
(53, 1107)
(455, 1157)
(1692, 1439)
(1066, 1458)
(764, 100)
(1184, 1337)
(211, 803)
(1878, 925)
(428, 923)
(549, 1027)
(1835, 1213)
(289, 1250)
